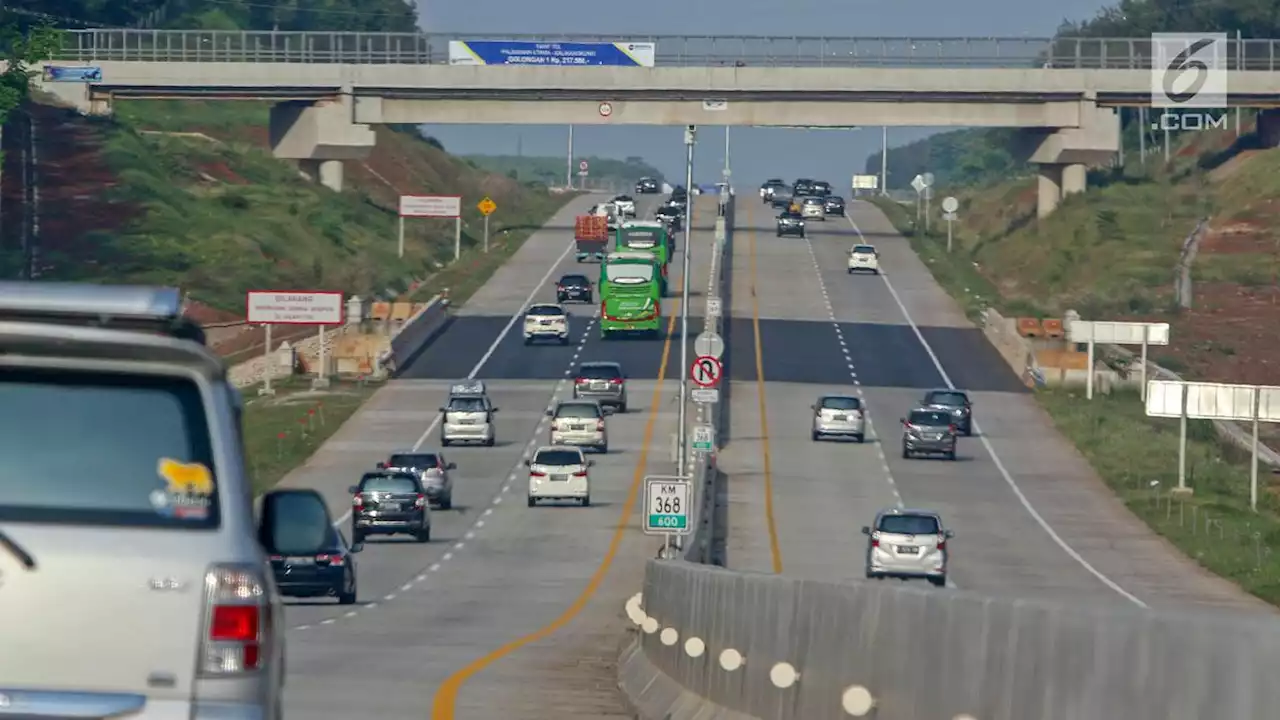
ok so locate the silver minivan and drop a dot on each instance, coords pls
(839, 416)
(135, 581)
(908, 544)
(469, 416)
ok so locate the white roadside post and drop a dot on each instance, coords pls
(432, 206)
(1214, 401)
(1117, 333)
(949, 207)
(301, 307)
(266, 361)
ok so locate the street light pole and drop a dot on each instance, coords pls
(726, 153)
(682, 450)
(884, 160)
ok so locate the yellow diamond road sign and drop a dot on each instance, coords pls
(487, 206)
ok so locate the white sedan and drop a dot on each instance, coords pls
(864, 258)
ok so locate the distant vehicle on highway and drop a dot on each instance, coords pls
(626, 206)
(604, 382)
(330, 571)
(790, 224)
(390, 502)
(928, 431)
(559, 473)
(956, 402)
(134, 572)
(432, 469)
(579, 423)
(907, 544)
(802, 186)
(468, 416)
(864, 258)
(838, 416)
(782, 196)
(574, 287)
(768, 187)
(833, 204)
(812, 208)
(821, 188)
(546, 321)
(647, 186)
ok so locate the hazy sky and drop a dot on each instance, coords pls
(756, 153)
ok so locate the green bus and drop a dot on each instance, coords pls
(630, 294)
(648, 236)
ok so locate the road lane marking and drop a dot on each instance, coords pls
(771, 524)
(991, 451)
(445, 702)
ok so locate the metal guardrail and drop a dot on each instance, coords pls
(674, 50)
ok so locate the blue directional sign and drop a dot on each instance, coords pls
(511, 52)
(76, 73)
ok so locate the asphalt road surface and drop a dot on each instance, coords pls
(1031, 518)
(509, 611)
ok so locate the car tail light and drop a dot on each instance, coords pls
(582, 381)
(336, 560)
(537, 473)
(420, 501)
(560, 288)
(580, 474)
(875, 540)
(599, 424)
(942, 543)
(238, 621)
(908, 426)
(357, 501)
(952, 428)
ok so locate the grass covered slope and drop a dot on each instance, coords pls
(188, 194)
(1110, 254)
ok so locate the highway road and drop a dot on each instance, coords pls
(510, 611)
(1032, 520)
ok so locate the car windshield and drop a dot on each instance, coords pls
(557, 457)
(421, 461)
(623, 199)
(629, 273)
(841, 403)
(954, 399)
(574, 281)
(600, 372)
(466, 404)
(813, 201)
(929, 418)
(546, 310)
(389, 484)
(106, 449)
(863, 250)
(909, 524)
(835, 199)
(578, 410)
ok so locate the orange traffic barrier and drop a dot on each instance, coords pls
(401, 310)
(1030, 327)
(1053, 328)
(380, 311)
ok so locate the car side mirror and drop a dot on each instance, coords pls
(591, 463)
(381, 466)
(451, 466)
(443, 410)
(357, 547)
(494, 409)
(949, 534)
(526, 463)
(294, 522)
(866, 530)
(902, 421)
(813, 407)
(551, 413)
(354, 489)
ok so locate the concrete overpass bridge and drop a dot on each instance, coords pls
(330, 87)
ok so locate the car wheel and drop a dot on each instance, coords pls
(850, 271)
(938, 581)
(528, 341)
(779, 234)
(446, 503)
(532, 501)
(586, 501)
(347, 598)
(622, 408)
(951, 455)
(423, 535)
(604, 449)
(564, 341)
(444, 442)
(490, 442)
(814, 434)
(968, 430)
(861, 438)
(357, 536)
(905, 452)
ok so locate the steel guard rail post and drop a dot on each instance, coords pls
(936, 655)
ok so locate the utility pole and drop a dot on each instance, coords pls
(682, 441)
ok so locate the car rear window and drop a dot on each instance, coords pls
(841, 403)
(864, 250)
(547, 310)
(105, 449)
(909, 524)
(388, 484)
(813, 201)
(600, 372)
(576, 280)
(466, 404)
(557, 457)
(926, 417)
(578, 410)
(415, 460)
(945, 398)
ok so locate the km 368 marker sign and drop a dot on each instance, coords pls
(706, 371)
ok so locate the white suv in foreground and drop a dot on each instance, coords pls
(546, 321)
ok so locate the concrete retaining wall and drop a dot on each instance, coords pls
(932, 655)
(416, 332)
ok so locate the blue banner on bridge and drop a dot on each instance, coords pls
(75, 73)
(511, 52)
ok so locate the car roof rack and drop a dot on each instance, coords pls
(118, 307)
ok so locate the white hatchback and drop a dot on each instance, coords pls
(546, 321)
(558, 472)
(864, 258)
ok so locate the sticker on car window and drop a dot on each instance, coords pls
(187, 492)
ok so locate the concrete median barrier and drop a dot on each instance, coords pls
(776, 648)
(417, 332)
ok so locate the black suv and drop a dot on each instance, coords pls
(646, 186)
(802, 186)
(821, 188)
(389, 503)
(574, 287)
(790, 223)
(956, 402)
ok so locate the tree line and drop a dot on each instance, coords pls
(977, 156)
(284, 15)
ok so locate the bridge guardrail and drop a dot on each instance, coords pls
(102, 45)
(917, 654)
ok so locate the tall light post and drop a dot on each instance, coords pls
(884, 160)
(682, 441)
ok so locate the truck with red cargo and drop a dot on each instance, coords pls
(591, 233)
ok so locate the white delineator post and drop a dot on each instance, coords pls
(266, 359)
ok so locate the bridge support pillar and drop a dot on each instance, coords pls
(1064, 155)
(1055, 181)
(320, 136)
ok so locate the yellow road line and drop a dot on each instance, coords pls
(775, 549)
(446, 699)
